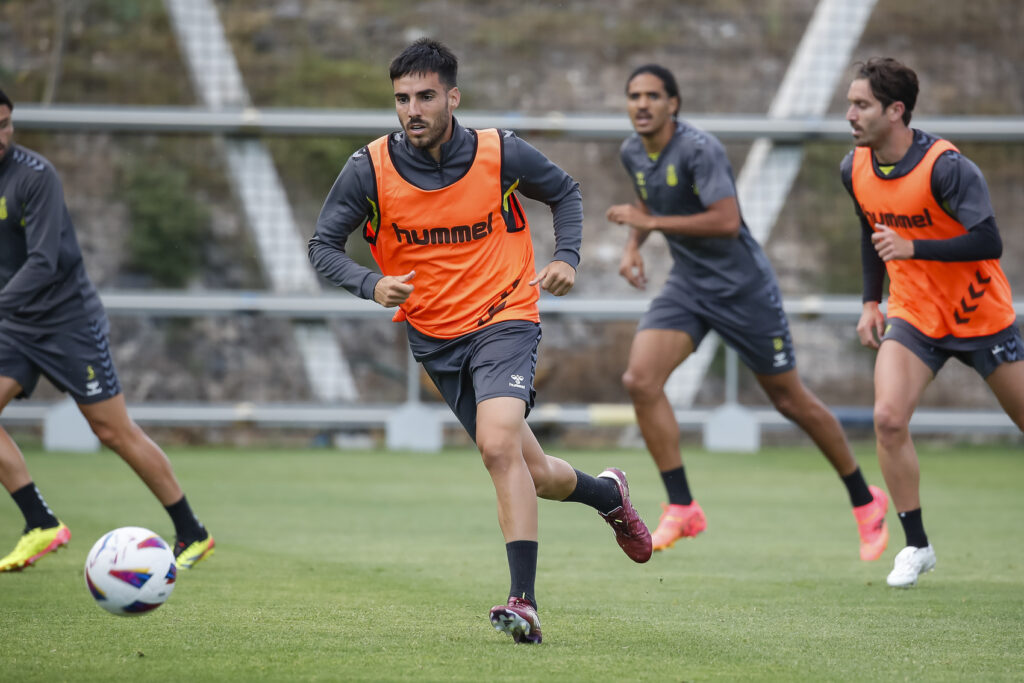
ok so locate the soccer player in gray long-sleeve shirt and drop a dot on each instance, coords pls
(52, 323)
(438, 204)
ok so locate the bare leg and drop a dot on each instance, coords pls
(499, 437)
(13, 469)
(553, 478)
(653, 356)
(796, 402)
(1007, 384)
(900, 379)
(117, 431)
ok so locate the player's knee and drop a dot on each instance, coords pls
(889, 422)
(639, 386)
(786, 403)
(497, 452)
(108, 435)
(789, 396)
(114, 435)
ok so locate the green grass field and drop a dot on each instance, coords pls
(348, 566)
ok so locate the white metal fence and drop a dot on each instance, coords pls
(430, 417)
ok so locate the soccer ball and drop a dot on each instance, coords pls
(130, 571)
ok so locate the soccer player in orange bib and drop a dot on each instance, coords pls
(927, 222)
(438, 204)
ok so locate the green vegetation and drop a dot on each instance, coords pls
(363, 566)
(168, 224)
(312, 80)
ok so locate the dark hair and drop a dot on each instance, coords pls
(890, 81)
(4, 99)
(666, 77)
(427, 56)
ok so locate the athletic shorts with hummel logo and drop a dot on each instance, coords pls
(76, 361)
(498, 360)
(754, 323)
(984, 354)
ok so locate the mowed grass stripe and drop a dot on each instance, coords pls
(378, 566)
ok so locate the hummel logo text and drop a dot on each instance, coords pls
(443, 235)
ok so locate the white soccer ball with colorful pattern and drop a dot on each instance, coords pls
(130, 571)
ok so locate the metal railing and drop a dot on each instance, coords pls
(249, 121)
(342, 416)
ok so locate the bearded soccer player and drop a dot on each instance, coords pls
(720, 280)
(52, 323)
(439, 205)
(928, 223)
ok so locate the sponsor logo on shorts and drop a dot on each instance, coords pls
(517, 381)
(1007, 352)
(92, 385)
(779, 356)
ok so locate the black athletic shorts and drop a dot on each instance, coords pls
(76, 361)
(753, 324)
(499, 360)
(984, 354)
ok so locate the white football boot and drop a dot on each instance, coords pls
(910, 563)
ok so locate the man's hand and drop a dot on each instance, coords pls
(392, 290)
(631, 267)
(631, 215)
(871, 325)
(557, 277)
(891, 246)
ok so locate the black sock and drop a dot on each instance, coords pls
(186, 527)
(677, 487)
(857, 488)
(913, 527)
(599, 493)
(522, 567)
(37, 513)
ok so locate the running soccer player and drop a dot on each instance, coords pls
(928, 223)
(438, 204)
(52, 323)
(720, 280)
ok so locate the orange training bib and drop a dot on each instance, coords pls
(940, 298)
(471, 268)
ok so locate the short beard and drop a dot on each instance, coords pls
(435, 135)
